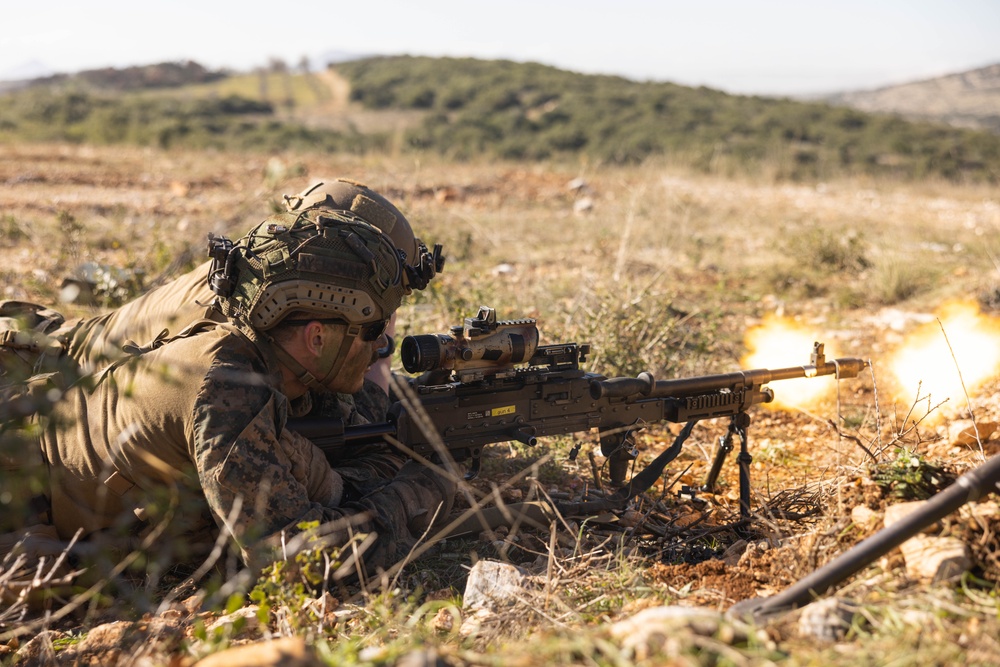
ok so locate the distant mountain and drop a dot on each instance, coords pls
(137, 77)
(31, 69)
(966, 99)
(335, 56)
(21, 75)
(474, 108)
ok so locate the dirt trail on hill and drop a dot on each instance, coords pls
(337, 112)
(340, 89)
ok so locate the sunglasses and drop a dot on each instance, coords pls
(370, 332)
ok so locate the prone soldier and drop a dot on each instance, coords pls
(306, 298)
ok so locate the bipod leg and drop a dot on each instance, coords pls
(725, 446)
(742, 423)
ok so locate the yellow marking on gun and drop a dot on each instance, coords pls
(506, 410)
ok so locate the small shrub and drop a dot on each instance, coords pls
(831, 251)
(287, 590)
(11, 231)
(646, 333)
(909, 476)
(893, 280)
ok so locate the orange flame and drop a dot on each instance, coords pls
(779, 342)
(961, 347)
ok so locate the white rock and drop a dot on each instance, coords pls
(896, 513)
(493, 585)
(932, 558)
(863, 516)
(929, 558)
(471, 625)
(982, 510)
(827, 619)
(652, 631)
(663, 619)
(248, 614)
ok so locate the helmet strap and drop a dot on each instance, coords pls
(353, 331)
(302, 374)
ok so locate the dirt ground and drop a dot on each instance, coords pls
(148, 211)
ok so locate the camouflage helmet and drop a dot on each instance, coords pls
(328, 263)
(420, 264)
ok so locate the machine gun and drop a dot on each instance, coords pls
(497, 384)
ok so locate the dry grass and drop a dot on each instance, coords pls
(658, 269)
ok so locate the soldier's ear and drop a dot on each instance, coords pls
(314, 335)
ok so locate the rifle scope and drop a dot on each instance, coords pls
(483, 346)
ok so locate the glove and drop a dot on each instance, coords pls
(428, 378)
(436, 377)
(424, 490)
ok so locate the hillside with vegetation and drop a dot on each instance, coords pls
(533, 111)
(465, 108)
(963, 99)
(138, 77)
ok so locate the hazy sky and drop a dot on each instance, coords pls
(744, 46)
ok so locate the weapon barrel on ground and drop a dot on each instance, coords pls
(969, 487)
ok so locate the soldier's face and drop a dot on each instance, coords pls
(352, 374)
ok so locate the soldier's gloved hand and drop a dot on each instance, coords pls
(425, 490)
(440, 376)
(411, 383)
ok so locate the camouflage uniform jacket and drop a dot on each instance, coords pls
(205, 413)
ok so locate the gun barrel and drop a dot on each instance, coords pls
(848, 367)
(841, 368)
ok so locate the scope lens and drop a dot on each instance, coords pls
(421, 353)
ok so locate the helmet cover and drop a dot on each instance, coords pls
(342, 194)
(323, 262)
